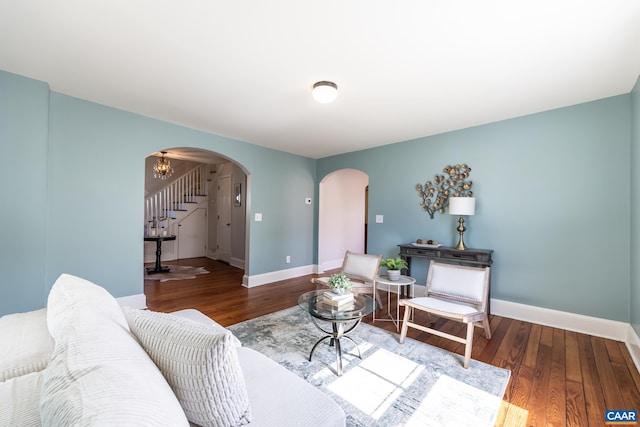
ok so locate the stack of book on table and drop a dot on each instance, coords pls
(342, 301)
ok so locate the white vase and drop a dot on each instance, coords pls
(393, 275)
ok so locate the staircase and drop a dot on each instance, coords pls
(165, 208)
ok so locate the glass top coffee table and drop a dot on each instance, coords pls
(320, 311)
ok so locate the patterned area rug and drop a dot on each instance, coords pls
(178, 272)
(410, 384)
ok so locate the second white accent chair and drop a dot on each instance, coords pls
(454, 292)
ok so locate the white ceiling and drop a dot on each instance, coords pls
(404, 69)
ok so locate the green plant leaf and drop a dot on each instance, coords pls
(394, 263)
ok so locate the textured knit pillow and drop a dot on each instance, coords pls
(200, 364)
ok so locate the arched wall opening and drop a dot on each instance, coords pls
(342, 208)
(215, 223)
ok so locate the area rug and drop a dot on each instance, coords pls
(178, 272)
(410, 384)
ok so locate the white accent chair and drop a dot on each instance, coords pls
(454, 292)
(361, 269)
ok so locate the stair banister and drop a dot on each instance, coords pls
(162, 205)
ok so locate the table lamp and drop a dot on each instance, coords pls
(462, 206)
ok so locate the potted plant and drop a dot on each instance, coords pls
(394, 265)
(339, 283)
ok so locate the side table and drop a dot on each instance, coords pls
(403, 283)
(158, 267)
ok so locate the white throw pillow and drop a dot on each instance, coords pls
(199, 362)
(26, 343)
(99, 375)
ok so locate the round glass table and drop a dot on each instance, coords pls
(340, 319)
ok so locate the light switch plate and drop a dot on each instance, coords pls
(307, 201)
(258, 217)
(379, 219)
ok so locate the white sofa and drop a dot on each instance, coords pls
(84, 360)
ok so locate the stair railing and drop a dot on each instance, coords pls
(162, 206)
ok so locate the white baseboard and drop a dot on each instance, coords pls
(633, 345)
(276, 276)
(596, 326)
(237, 262)
(605, 328)
(138, 301)
(329, 265)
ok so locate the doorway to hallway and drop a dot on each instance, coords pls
(342, 212)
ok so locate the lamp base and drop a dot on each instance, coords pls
(461, 229)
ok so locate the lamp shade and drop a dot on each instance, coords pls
(325, 92)
(462, 205)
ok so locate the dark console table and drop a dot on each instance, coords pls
(469, 257)
(472, 257)
(158, 268)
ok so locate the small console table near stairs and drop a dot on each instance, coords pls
(158, 267)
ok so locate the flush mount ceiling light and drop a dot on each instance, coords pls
(325, 92)
(162, 169)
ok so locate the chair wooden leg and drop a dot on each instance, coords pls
(405, 323)
(487, 329)
(429, 320)
(378, 300)
(376, 296)
(469, 344)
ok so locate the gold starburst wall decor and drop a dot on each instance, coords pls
(434, 195)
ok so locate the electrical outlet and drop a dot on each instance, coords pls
(287, 259)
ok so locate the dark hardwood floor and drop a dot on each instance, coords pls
(558, 377)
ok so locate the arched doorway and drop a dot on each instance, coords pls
(341, 216)
(211, 224)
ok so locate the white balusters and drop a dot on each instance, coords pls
(162, 205)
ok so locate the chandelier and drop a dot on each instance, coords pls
(162, 169)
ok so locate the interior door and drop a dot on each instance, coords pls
(224, 219)
(192, 235)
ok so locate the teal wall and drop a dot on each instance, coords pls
(552, 198)
(634, 299)
(23, 191)
(552, 195)
(87, 179)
